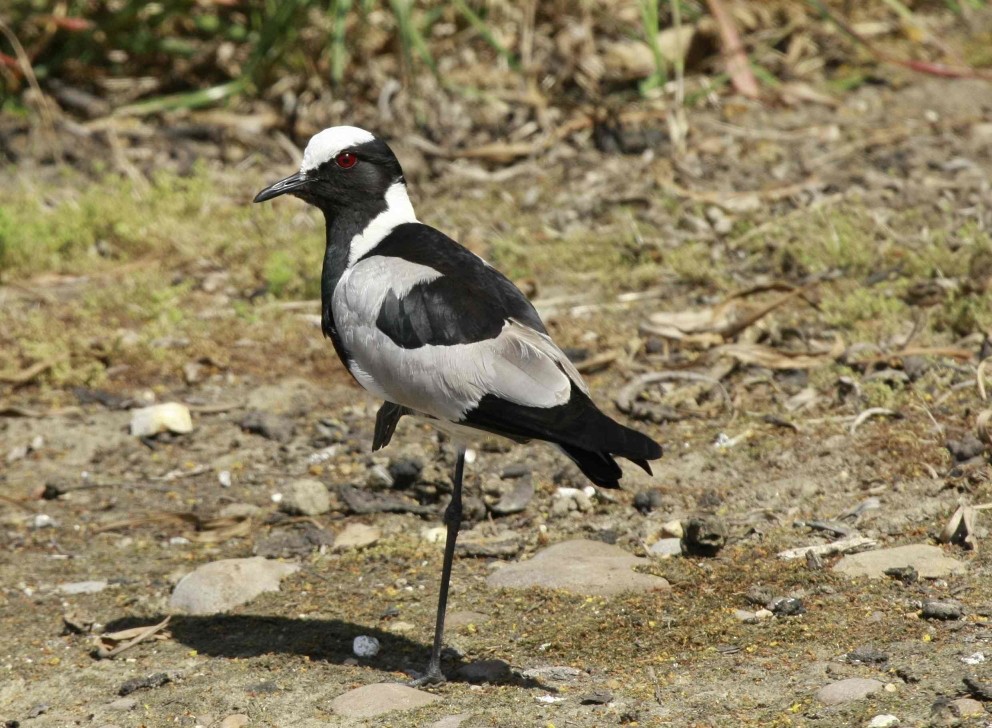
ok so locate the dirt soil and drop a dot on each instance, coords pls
(876, 210)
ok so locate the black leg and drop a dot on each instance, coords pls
(452, 519)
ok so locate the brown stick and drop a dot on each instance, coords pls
(738, 67)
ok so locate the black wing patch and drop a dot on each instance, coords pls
(469, 302)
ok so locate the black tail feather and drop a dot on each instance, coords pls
(591, 438)
(386, 420)
(599, 467)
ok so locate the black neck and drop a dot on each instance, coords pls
(342, 226)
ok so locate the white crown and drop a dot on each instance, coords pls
(326, 145)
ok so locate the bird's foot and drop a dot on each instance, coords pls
(433, 676)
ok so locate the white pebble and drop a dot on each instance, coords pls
(885, 720)
(171, 417)
(322, 455)
(224, 478)
(437, 534)
(548, 699)
(974, 659)
(43, 520)
(365, 646)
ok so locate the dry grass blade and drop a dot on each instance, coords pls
(218, 530)
(724, 321)
(930, 68)
(26, 68)
(771, 358)
(982, 428)
(980, 377)
(106, 647)
(27, 375)
(868, 414)
(628, 394)
(738, 66)
(190, 518)
(960, 528)
(845, 546)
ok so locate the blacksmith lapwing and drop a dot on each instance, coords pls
(438, 333)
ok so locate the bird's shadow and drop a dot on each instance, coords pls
(329, 640)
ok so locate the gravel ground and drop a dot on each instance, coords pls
(875, 445)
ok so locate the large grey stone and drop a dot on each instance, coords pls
(222, 585)
(369, 701)
(929, 561)
(580, 566)
(844, 691)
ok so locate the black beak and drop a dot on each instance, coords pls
(294, 181)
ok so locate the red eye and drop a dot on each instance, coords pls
(346, 160)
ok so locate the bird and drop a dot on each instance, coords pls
(438, 333)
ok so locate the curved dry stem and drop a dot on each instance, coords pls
(27, 69)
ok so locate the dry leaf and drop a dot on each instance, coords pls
(770, 358)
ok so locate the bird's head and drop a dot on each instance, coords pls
(343, 168)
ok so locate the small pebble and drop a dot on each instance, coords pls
(966, 448)
(867, 655)
(305, 497)
(704, 536)
(845, 691)
(599, 697)
(379, 477)
(905, 574)
(759, 595)
(557, 673)
(978, 688)
(356, 536)
(814, 562)
(436, 534)
(224, 478)
(517, 499)
(83, 587)
(269, 425)
(485, 671)
(156, 680)
(885, 720)
(943, 610)
(123, 704)
(365, 646)
(787, 606)
(405, 472)
(516, 470)
(43, 520)
(666, 548)
(649, 500)
(976, 658)
(167, 417)
(966, 708)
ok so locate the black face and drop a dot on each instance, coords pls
(356, 177)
